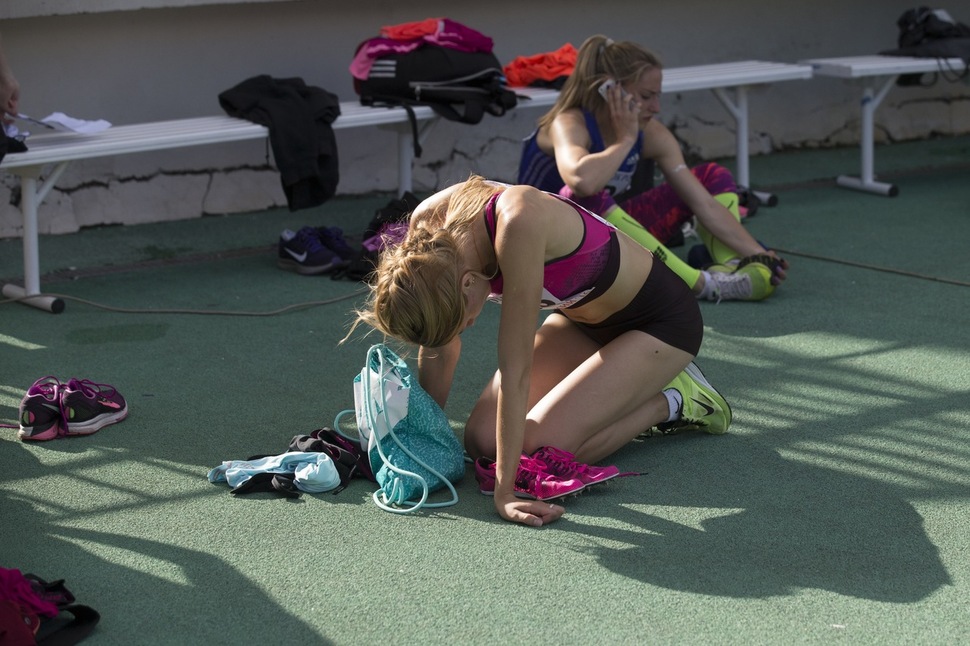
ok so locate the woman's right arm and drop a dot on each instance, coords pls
(587, 173)
(436, 369)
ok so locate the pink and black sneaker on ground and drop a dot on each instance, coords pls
(563, 464)
(88, 407)
(40, 411)
(51, 409)
(531, 480)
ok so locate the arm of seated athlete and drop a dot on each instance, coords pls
(661, 146)
(585, 172)
(525, 217)
(436, 369)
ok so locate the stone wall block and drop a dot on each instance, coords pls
(135, 201)
(237, 191)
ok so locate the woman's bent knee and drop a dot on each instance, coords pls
(479, 437)
(479, 444)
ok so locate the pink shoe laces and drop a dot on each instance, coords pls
(564, 465)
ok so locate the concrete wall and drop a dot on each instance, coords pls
(130, 61)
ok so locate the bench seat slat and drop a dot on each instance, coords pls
(718, 75)
(355, 115)
(861, 66)
(54, 147)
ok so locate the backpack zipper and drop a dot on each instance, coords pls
(470, 77)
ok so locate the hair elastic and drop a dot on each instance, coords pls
(602, 48)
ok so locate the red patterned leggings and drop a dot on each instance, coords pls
(660, 210)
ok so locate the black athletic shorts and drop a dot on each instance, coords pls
(664, 308)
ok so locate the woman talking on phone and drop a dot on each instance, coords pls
(588, 146)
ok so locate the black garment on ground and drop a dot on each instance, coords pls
(298, 117)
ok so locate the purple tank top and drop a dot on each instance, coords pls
(570, 278)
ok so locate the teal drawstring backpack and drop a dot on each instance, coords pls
(410, 445)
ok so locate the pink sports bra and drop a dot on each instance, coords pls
(569, 279)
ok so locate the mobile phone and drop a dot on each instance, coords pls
(605, 87)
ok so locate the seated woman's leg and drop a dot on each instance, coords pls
(659, 213)
(719, 183)
(619, 216)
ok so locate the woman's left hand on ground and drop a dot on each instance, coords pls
(528, 512)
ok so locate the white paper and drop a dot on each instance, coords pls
(60, 121)
(63, 123)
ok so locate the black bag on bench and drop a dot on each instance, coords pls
(931, 33)
(458, 85)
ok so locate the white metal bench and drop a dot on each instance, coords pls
(880, 72)
(720, 78)
(57, 149)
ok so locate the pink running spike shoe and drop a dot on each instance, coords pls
(531, 480)
(88, 407)
(41, 417)
(563, 464)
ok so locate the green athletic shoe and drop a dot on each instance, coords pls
(703, 409)
(752, 282)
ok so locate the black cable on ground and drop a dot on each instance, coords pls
(862, 265)
(128, 310)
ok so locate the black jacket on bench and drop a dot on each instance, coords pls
(298, 117)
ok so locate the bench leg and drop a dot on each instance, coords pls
(405, 155)
(47, 303)
(31, 196)
(739, 110)
(867, 179)
(405, 160)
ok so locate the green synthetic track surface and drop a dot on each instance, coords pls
(837, 509)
